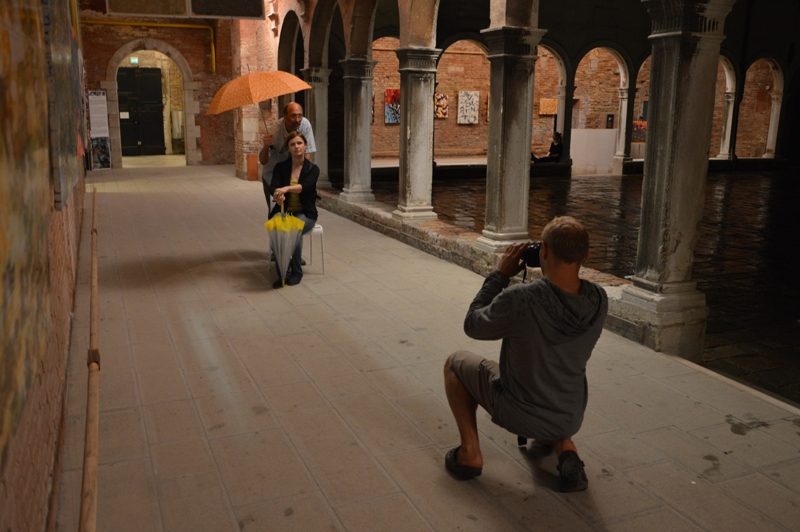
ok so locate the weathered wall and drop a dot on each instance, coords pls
(38, 252)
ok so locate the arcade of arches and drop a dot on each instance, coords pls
(662, 88)
(495, 79)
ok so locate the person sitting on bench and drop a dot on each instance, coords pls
(555, 151)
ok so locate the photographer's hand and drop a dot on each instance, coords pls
(511, 261)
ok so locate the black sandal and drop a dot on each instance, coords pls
(459, 471)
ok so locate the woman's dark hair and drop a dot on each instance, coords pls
(292, 135)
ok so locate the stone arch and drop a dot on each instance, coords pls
(361, 25)
(475, 37)
(519, 13)
(462, 65)
(291, 54)
(544, 87)
(320, 32)
(418, 23)
(768, 101)
(287, 42)
(623, 62)
(600, 143)
(727, 111)
(191, 104)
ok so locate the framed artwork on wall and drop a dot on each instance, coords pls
(468, 102)
(391, 106)
(440, 105)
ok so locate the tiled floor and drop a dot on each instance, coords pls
(227, 405)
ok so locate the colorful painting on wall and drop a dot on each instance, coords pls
(639, 133)
(440, 106)
(391, 106)
(468, 102)
(64, 97)
(25, 208)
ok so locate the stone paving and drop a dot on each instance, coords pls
(227, 405)
(745, 256)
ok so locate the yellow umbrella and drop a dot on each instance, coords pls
(284, 231)
(253, 88)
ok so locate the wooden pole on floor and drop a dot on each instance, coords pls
(88, 516)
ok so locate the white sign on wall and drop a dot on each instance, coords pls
(98, 114)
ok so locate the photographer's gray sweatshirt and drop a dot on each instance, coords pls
(548, 336)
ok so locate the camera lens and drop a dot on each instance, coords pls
(531, 255)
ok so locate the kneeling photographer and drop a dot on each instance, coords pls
(548, 328)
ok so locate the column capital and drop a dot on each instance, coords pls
(316, 74)
(697, 17)
(357, 67)
(512, 40)
(418, 59)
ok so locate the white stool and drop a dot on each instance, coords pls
(317, 230)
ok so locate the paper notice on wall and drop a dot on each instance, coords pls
(548, 106)
(98, 114)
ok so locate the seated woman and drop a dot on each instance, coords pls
(555, 151)
(294, 185)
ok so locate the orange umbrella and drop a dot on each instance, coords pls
(253, 88)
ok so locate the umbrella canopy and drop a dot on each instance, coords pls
(284, 232)
(253, 88)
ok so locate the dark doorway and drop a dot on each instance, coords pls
(141, 111)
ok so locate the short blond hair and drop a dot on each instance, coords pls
(567, 238)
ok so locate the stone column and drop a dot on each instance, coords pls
(774, 121)
(357, 76)
(317, 112)
(417, 79)
(725, 151)
(627, 97)
(562, 107)
(663, 301)
(508, 160)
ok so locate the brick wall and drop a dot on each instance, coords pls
(547, 79)
(754, 111)
(252, 50)
(216, 132)
(385, 137)
(39, 246)
(596, 90)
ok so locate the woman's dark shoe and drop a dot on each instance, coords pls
(293, 279)
(459, 471)
(571, 472)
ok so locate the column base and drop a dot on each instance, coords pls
(324, 183)
(412, 214)
(498, 242)
(618, 164)
(357, 196)
(672, 320)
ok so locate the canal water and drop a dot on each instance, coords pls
(746, 256)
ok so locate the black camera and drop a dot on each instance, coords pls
(531, 254)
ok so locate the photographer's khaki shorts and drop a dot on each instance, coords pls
(480, 376)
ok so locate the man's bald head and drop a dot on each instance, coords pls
(292, 116)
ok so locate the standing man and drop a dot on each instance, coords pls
(275, 150)
(549, 328)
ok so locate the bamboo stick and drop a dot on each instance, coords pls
(88, 515)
